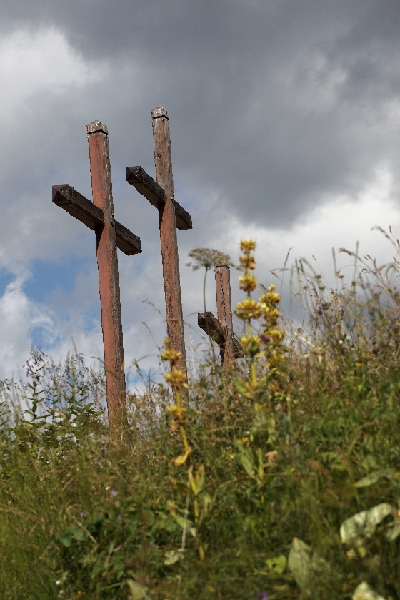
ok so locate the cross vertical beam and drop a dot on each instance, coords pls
(224, 311)
(221, 330)
(167, 224)
(107, 262)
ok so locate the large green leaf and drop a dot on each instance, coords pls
(247, 460)
(365, 592)
(306, 566)
(375, 477)
(363, 524)
(137, 591)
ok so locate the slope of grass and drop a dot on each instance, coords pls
(281, 453)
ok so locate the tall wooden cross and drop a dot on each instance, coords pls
(160, 193)
(110, 235)
(221, 330)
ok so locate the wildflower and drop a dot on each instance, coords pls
(248, 283)
(262, 595)
(271, 298)
(248, 261)
(176, 379)
(207, 258)
(177, 411)
(251, 344)
(170, 354)
(276, 335)
(113, 493)
(248, 309)
(247, 245)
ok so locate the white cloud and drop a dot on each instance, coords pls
(18, 316)
(339, 221)
(32, 61)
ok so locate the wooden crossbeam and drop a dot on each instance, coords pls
(92, 216)
(155, 194)
(212, 327)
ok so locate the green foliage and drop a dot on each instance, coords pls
(291, 484)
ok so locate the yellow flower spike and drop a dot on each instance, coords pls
(247, 283)
(170, 354)
(247, 245)
(177, 411)
(251, 344)
(248, 261)
(176, 379)
(275, 335)
(270, 298)
(248, 309)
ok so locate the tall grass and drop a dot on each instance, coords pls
(274, 494)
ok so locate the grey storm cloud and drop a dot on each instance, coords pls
(275, 105)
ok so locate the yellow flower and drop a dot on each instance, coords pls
(170, 353)
(271, 298)
(176, 379)
(276, 358)
(251, 344)
(248, 261)
(178, 412)
(277, 335)
(247, 283)
(248, 309)
(247, 245)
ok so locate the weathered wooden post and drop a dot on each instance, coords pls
(110, 234)
(221, 330)
(160, 193)
(224, 311)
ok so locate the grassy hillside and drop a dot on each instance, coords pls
(278, 478)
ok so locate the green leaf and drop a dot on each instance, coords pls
(240, 387)
(136, 591)
(78, 534)
(65, 538)
(277, 564)
(306, 566)
(173, 556)
(375, 476)
(363, 524)
(365, 592)
(247, 460)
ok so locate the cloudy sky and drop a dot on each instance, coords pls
(284, 120)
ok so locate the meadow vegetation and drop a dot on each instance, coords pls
(278, 478)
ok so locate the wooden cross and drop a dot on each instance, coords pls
(160, 193)
(221, 330)
(110, 235)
